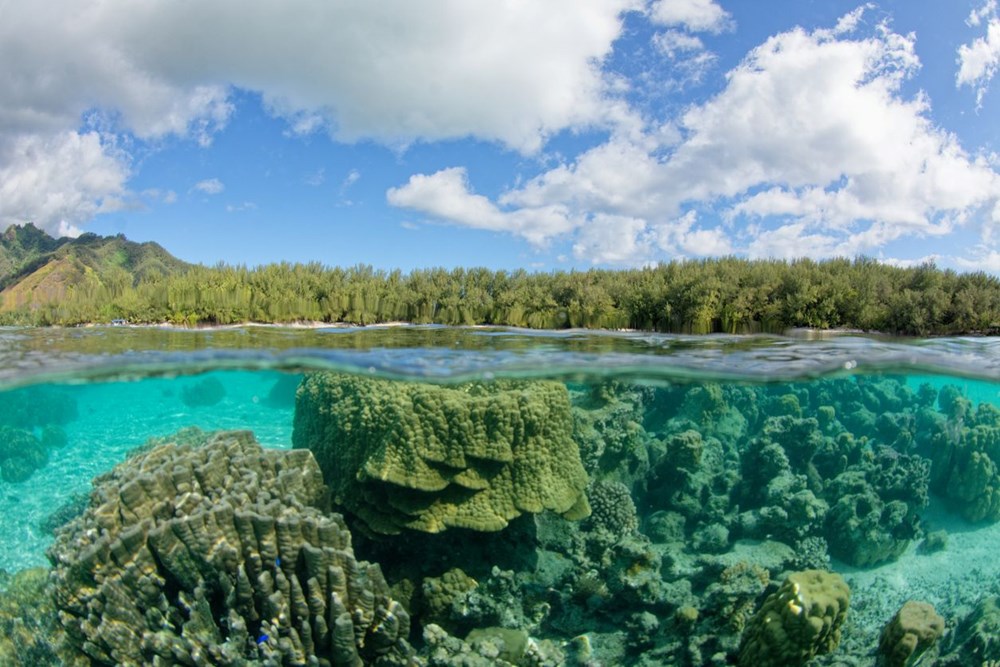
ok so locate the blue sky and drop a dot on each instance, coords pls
(550, 135)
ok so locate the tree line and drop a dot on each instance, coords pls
(728, 295)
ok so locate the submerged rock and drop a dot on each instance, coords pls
(219, 554)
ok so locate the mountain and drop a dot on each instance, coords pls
(36, 268)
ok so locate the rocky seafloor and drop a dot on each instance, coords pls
(840, 521)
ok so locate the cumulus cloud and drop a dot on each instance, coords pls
(695, 15)
(506, 71)
(613, 239)
(210, 186)
(811, 147)
(397, 72)
(446, 195)
(978, 61)
(59, 181)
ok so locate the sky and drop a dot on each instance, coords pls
(552, 135)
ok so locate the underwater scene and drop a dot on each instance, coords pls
(474, 496)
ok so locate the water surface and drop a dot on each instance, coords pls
(95, 394)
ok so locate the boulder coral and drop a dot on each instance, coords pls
(404, 455)
(220, 554)
(799, 621)
(913, 631)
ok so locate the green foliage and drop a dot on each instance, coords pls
(144, 284)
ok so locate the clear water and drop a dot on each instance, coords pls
(126, 385)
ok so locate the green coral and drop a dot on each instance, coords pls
(966, 460)
(428, 457)
(799, 621)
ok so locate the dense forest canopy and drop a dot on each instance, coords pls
(732, 295)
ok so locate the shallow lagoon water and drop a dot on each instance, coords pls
(631, 394)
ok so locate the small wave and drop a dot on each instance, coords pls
(454, 354)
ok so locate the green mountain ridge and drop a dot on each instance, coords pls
(37, 269)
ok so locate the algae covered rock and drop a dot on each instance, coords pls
(799, 621)
(909, 635)
(428, 457)
(219, 554)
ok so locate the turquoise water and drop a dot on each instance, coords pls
(713, 468)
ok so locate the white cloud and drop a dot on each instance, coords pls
(352, 177)
(695, 15)
(674, 42)
(811, 133)
(982, 260)
(979, 60)
(446, 195)
(911, 263)
(395, 72)
(210, 186)
(681, 237)
(508, 71)
(239, 208)
(317, 178)
(613, 239)
(59, 181)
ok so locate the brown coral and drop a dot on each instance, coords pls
(428, 457)
(219, 554)
(802, 619)
(910, 634)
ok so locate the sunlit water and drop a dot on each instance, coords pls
(126, 385)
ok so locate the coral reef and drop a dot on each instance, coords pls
(21, 454)
(41, 406)
(608, 428)
(910, 635)
(444, 598)
(966, 458)
(799, 621)
(427, 457)
(204, 393)
(489, 647)
(976, 640)
(220, 554)
(612, 508)
(29, 625)
(282, 392)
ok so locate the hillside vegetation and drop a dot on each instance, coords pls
(38, 272)
(97, 279)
